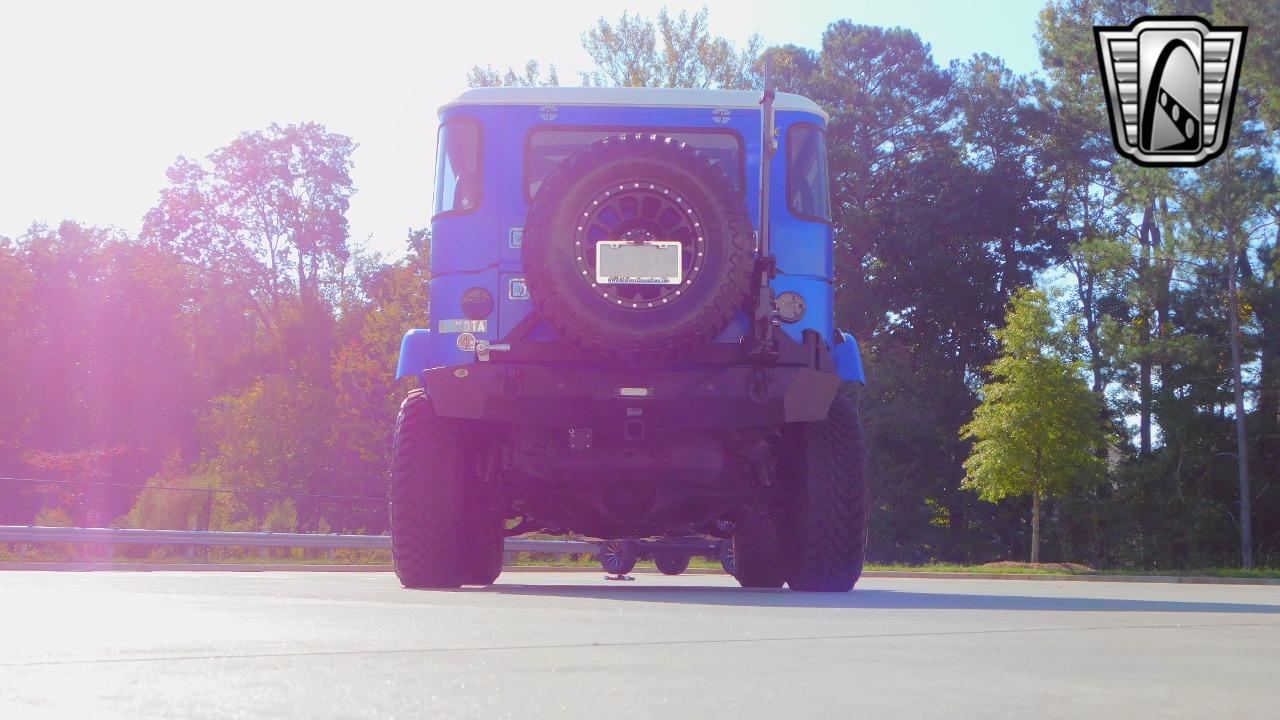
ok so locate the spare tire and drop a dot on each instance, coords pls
(646, 189)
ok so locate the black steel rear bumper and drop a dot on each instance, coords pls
(731, 390)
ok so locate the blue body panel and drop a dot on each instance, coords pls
(480, 247)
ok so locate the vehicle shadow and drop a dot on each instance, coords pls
(871, 599)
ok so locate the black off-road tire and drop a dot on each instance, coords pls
(669, 563)
(760, 552)
(565, 300)
(438, 522)
(825, 462)
(484, 562)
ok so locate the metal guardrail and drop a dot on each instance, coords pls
(562, 547)
(34, 534)
(131, 536)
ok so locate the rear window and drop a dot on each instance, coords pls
(807, 191)
(547, 148)
(457, 167)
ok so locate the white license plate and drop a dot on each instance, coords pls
(653, 262)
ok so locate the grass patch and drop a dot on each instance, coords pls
(1027, 569)
(1255, 573)
(985, 569)
(93, 553)
(530, 559)
(66, 552)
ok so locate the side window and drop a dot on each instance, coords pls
(457, 167)
(549, 147)
(807, 192)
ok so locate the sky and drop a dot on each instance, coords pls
(98, 99)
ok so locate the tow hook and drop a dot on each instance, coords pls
(484, 348)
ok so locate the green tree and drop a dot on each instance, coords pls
(938, 218)
(1037, 430)
(105, 347)
(669, 51)
(16, 283)
(268, 219)
(368, 398)
(174, 499)
(673, 51)
(275, 436)
(488, 76)
(1076, 157)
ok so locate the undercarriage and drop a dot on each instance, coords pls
(626, 451)
(606, 484)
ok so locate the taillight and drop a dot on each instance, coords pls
(477, 303)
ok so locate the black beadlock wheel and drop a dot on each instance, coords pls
(671, 563)
(618, 557)
(642, 188)
(728, 561)
(442, 535)
(825, 462)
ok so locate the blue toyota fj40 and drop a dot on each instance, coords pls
(631, 336)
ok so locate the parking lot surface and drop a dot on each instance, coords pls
(571, 645)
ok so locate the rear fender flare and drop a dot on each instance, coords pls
(848, 358)
(415, 353)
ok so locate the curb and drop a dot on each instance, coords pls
(186, 567)
(266, 567)
(1177, 579)
(893, 574)
(598, 569)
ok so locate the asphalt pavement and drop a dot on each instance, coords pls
(554, 645)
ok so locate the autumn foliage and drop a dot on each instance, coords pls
(236, 358)
(241, 343)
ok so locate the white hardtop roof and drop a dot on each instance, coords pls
(642, 97)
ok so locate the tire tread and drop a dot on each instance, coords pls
(829, 538)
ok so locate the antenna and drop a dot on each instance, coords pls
(764, 319)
